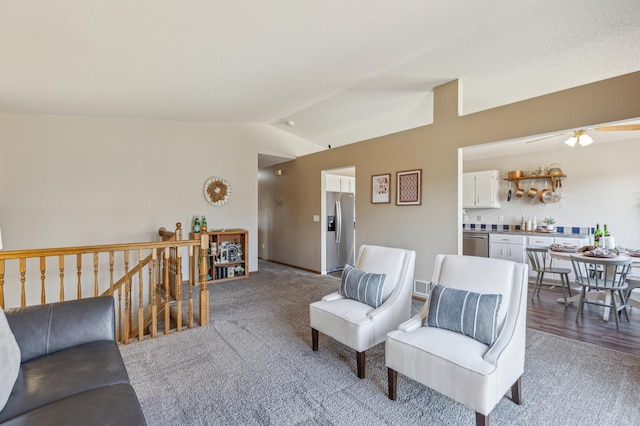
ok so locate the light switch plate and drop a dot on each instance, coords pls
(316, 218)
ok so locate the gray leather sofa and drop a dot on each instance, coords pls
(71, 371)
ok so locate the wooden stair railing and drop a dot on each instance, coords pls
(142, 295)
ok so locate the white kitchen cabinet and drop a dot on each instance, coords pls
(508, 247)
(337, 183)
(481, 189)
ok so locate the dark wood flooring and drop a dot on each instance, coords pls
(546, 314)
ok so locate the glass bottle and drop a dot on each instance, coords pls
(196, 225)
(606, 232)
(597, 235)
(204, 223)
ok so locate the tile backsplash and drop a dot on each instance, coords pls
(501, 227)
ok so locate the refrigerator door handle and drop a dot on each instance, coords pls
(338, 222)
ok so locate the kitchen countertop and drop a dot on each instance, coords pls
(526, 233)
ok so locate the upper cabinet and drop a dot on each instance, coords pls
(480, 189)
(337, 183)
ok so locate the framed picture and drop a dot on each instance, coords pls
(408, 188)
(381, 188)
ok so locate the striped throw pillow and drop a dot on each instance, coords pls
(472, 314)
(362, 286)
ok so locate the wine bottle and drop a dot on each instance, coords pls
(597, 235)
(606, 232)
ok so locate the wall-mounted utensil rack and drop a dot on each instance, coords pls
(553, 179)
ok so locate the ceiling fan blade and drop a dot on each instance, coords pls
(618, 128)
(546, 137)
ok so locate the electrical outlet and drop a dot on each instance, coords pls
(479, 218)
(501, 219)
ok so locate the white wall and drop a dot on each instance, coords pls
(602, 186)
(67, 181)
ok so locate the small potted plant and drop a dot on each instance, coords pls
(549, 221)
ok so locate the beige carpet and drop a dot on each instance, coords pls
(253, 365)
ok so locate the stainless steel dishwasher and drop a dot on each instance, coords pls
(475, 244)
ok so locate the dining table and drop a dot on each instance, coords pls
(566, 254)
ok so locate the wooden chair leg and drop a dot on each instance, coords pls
(516, 391)
(481, 419)
(392, 376)
(360, 363)
(314, 339)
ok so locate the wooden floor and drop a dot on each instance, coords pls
(546, 314)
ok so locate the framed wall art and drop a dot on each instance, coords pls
(381, 188)
(409, 188)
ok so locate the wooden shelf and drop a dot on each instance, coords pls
(224, 242)
(550, 177)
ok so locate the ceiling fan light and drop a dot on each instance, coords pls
(585, 140)
(571, 141)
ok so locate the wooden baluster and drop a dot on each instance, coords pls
(165, 278)
(79, 266)
(178, 281)
(1, 283)
(204, 291)
(61, 268)
(95, 275)
(111, 262)
(153, 299)
(119, 326)
(178, 231)
(23, 270)
(190, 286)
(127, 309)
(140, 297)
(43, 272)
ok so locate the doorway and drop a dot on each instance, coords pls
(338, 219)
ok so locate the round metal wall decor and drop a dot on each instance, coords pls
(217, 191)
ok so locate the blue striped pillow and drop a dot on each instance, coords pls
(472, 314)
(362, 286)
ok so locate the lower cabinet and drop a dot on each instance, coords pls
(546, 241)
(508, 247)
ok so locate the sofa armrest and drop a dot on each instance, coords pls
(333, 296)
(44, 329)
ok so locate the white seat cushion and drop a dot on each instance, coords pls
(345, 320)
(9, 360)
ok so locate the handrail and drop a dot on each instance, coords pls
(151, 278)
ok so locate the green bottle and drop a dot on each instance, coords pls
(196, 225)
(597, 235)
(606, 232)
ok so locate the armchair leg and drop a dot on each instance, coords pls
(360, 363)
(481, 419)
(314, 339)
(393, 383)
(516, 391)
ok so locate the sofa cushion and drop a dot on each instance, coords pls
(9, 360)
(466, 312)
(362, 286)
(59, 375)
(111, 405)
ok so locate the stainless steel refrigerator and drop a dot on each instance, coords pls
(341, 223)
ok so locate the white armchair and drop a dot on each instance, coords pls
(359, 325)
(454, 364)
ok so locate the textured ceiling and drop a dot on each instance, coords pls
(342, 71)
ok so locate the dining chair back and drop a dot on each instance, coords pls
(541, 263)
(611, 282)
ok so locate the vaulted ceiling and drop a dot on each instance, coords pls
(339, 71)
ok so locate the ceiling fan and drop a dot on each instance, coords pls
(583, 139)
